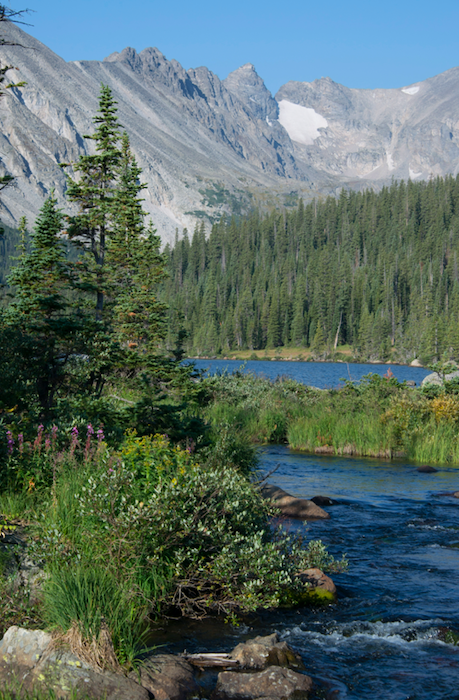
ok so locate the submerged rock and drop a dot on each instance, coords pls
(323, 501)
(426, 469)
(291, 507)
(261, 652)
(274, 683)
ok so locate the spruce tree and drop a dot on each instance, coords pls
(41, 310)
(95, 192)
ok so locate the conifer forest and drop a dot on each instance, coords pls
(375, 271)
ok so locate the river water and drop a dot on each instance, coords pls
(384, 638)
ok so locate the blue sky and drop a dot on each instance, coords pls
(360, 44)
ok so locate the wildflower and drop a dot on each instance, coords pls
(100, 434)
(47, 443)
(21, 443)
(10, 441)
(74, 440)
(54, 434)
(89, 433)
(39, 438)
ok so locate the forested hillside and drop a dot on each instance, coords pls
(376, 271)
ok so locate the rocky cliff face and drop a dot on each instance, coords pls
(208, 146)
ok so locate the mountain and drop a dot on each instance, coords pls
(208, 145)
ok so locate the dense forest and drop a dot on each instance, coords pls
(375, 271)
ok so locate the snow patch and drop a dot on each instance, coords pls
(268, 122)
(410, 90)
(390, 162)
(301, 123)
(413, 175)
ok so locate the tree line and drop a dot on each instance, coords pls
(375, 271)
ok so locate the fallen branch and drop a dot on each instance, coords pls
(210, 660)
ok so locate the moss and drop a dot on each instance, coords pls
(308, 597)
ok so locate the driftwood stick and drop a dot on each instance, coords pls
(265, 478)
(220, 660)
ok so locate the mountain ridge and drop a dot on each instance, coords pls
(209, 146)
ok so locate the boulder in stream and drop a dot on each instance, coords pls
(456, 494)
(321, 591)
(167, 677)
(274, 683)
(426, 469)
(291, 507)
(258, 653)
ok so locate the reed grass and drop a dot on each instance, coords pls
(340, 433)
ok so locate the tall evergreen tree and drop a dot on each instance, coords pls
(95, 192)
(42, 310)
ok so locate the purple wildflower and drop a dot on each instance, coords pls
(100, 434)
(47, 443)
(10, 441)
(39, 438)
(74, 440)
(21, 443)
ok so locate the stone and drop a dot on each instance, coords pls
(26, 656)
(426, 469)
(321, 588)
(436, 379)
(291, 507)
(67, 675)
(22, 647)
(274, 683)
(167, 677)
(261, 652)
(323, 501)
(415, 363)
(456, 494)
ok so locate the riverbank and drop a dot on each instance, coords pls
(378, 417)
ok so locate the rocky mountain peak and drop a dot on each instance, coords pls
(247, 85)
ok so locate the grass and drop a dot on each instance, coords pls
(355, 434)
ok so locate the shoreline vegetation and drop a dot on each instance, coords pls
(377, 417)
(343, 354)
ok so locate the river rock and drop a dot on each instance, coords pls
(324, 501)
(291, 507)
(426, 469)
(261, 652)
(456, 494)
(167, 677)
(274, 683)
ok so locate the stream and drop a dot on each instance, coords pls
(385, 636)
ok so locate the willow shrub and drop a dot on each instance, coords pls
(170, 532)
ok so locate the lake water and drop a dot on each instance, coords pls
(320, 374)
